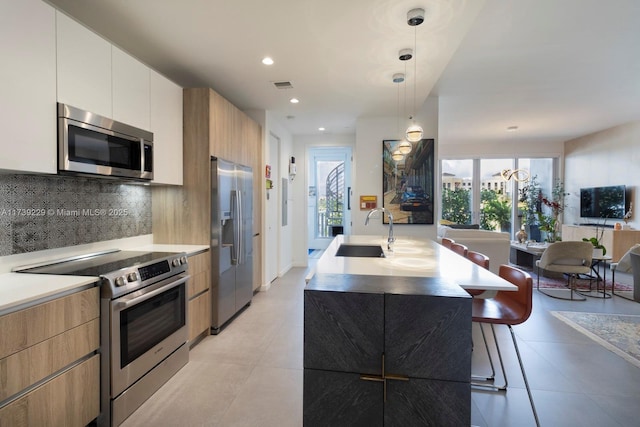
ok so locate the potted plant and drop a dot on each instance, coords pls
(530, 203)
(550, 223)
(598, 248)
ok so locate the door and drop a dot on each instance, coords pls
(272, 221)
(244, 266)
(222, 242)
(329, 196)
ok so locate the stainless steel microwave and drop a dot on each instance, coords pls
(89, 144)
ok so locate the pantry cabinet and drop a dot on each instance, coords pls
(50, 365)
(198, 291)
(28, 86)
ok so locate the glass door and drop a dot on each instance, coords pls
(328, 194)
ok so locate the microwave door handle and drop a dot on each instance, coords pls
(137, 300)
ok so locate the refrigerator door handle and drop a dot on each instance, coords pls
(234, 218)
(239, 242)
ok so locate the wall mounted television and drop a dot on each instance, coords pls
(603, 202)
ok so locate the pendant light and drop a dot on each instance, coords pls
(415, 17)
(397, 156)
(405, 146)
(404, 55)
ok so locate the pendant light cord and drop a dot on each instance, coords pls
(415, 69)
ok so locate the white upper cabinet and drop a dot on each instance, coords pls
(84, 67)
(130, 90)
(166, 125)
(28, 86)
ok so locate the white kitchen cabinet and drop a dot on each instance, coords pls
(84, 67)
(28, 86)
(166, 125)
(130, 81)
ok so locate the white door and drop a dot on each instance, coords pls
(272, 236)
(328, 196)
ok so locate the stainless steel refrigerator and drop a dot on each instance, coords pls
(231, 240)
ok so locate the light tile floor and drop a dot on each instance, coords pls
(251, 373)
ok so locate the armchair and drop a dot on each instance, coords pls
(570, 258)
(625, 265)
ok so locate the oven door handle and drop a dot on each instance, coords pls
(137, 300)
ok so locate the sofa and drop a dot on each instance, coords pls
(496, 245)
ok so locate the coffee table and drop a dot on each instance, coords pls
(526, 254)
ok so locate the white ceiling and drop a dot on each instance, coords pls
(556, 68)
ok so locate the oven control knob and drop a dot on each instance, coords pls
(120, 281)
(176, 262)
(183, 260)
(132, 277)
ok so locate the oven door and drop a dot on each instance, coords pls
(146, 327)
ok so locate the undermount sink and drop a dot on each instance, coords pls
(370, 251)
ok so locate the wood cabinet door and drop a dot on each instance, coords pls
(344, 332)
(340, 399)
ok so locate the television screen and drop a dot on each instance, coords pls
(603, 202)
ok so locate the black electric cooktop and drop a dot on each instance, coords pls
(99, 264)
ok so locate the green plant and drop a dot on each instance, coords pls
(596, 240)
(530, 200)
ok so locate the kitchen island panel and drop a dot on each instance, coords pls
(428, 337)
(341, 400)
(335, 339)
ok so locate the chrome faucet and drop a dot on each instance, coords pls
(390, 239)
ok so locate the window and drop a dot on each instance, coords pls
(475, 192)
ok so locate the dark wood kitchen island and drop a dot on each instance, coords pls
(390, 349)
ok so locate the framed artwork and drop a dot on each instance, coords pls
(408, 182)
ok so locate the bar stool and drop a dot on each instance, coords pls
(507, 308)
(446, 242)
(478, 258)
(459, 249)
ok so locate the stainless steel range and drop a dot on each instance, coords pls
(143, 330)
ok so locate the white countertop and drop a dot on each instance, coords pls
(411, 257)
(17, 290)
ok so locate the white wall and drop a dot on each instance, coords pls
(368, 167)
(281, 251)
(608, 157)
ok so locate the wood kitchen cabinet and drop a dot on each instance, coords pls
(199, 295)
(50, 365)
(28, 86)
(212, 126)
(386, 351)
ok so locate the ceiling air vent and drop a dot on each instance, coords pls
(283, 85)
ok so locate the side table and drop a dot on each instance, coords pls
(596, 261)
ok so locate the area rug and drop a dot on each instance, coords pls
(618, 333)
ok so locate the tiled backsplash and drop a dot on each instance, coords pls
(40, 212)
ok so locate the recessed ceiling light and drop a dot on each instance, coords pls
(512, 128)
(294, 100)
(321, 129)
(267, 61)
